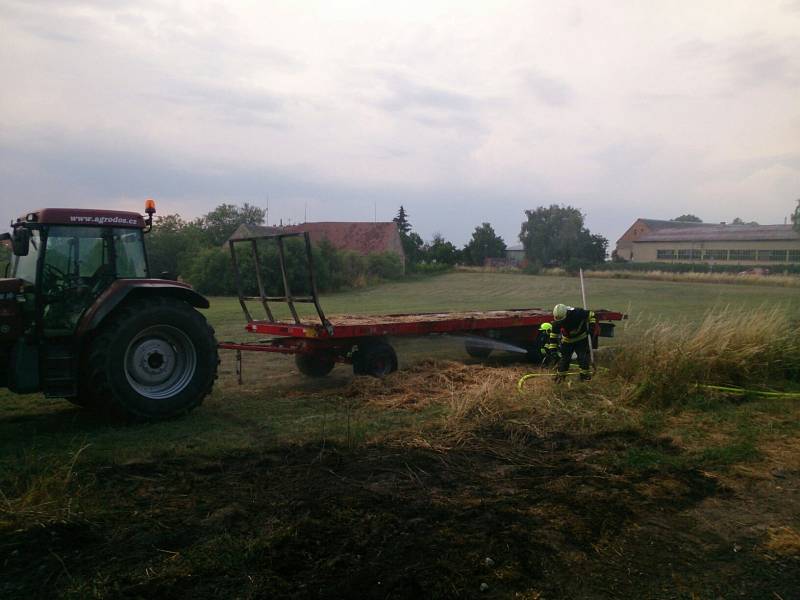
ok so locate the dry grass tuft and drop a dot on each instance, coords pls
(482, 401)
(783, 541)
(36, 493)
(429, 382)
(752, 349)
(734, 278)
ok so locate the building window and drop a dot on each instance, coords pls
(743, 255)
(715, 255)
(794, 256)
(777, 256)
(688, 254)
(665, 254)
(772, 255)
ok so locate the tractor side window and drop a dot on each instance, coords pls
(25, 266)
(129, 245)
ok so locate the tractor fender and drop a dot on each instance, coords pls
(123, 289)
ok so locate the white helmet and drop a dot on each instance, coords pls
(560, 311)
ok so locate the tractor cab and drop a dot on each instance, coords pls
(80, 317)
(66, 258)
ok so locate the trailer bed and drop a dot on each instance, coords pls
(363, 340)
(353, 326)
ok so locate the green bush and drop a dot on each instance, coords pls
(385, 265)
(431, 268)
(532, 267)
(211, 272)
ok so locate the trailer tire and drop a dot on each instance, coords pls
(318, 364)
(476, 351)
(376, 359)
(152, 359)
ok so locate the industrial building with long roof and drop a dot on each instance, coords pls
(651, 240)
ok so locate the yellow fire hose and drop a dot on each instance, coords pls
(739, 391)
(527, 376)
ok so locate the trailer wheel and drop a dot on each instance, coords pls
(317, 364)
(154, 358)
(376, 359)
(476, 351)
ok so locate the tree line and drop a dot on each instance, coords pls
(551, 236)
(195, 250)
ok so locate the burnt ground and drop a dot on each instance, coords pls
(555, 517)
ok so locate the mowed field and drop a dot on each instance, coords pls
(647, 300)
(428, 484)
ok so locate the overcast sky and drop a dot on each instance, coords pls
(462, 111)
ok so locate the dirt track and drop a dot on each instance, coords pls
(554, 517)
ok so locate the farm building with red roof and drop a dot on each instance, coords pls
(360, 237)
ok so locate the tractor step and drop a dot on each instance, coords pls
(58, 376)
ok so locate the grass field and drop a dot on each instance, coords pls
(285, 487)
(648, 300)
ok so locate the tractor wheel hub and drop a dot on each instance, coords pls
(160, 362)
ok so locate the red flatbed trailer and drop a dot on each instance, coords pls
(361, 339)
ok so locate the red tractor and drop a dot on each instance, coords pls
(81, 318)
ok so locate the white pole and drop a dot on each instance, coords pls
(585, 307)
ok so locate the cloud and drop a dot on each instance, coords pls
(549, 90)
(791, 6)
(462, 112)
(245, 106)
(758, 61)
(403, 93)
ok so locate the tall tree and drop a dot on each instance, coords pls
(441, 251)
(556, 235)
(485, 243)
(401, 220)
(413, 247)
(172, 242)
(689, 218)
(796, 217)
(221, 222)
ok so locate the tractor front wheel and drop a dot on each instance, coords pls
(153, 359)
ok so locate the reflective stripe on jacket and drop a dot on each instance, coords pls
(577, 325)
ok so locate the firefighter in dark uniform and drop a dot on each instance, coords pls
(548, 344)
(577, 326)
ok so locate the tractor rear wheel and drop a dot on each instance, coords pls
(376, 359)
(154, 358)
(317, 364)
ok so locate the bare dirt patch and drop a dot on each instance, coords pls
(492, 500)
(544, 519)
